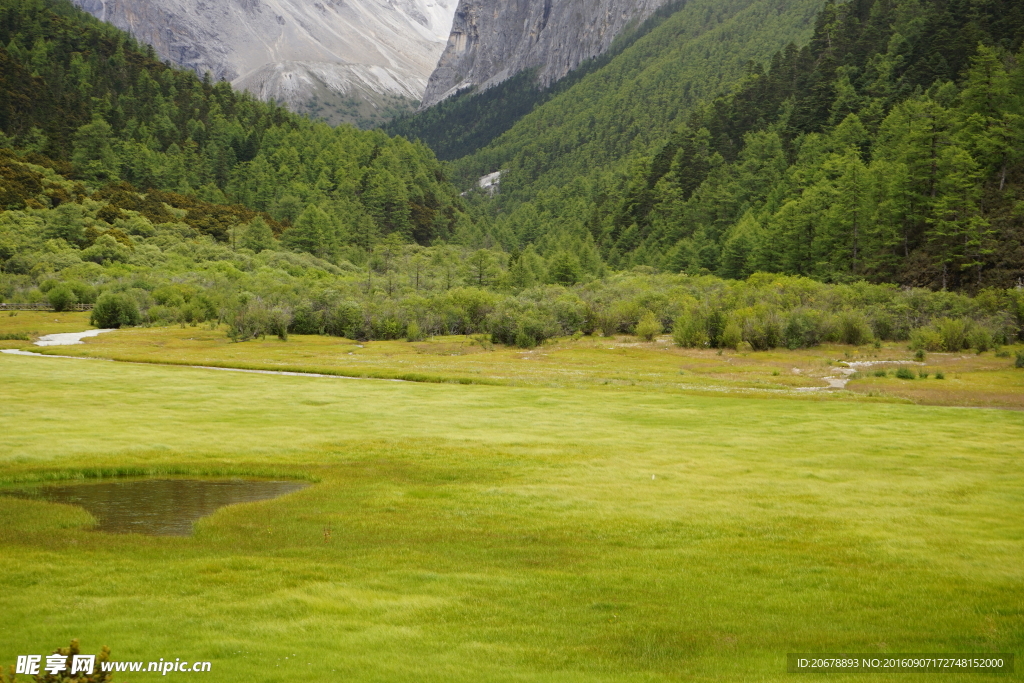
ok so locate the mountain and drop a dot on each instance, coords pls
(491, 42)
(356, 61)
(639, 97)
(87, 100)
(882, 144)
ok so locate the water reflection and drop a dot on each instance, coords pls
(157, 507)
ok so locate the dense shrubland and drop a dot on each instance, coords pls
(260, 282)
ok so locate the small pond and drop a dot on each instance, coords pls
(157, 507)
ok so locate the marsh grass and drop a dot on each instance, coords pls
(491, 533)
(616, 363)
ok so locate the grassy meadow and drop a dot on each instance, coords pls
(554, 530)
(986, 380)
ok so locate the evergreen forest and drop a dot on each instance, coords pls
(740, 172)
(886, 148)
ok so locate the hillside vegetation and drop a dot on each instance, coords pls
(270, 224)
(157, 258)
(85, 99)
(884, 149)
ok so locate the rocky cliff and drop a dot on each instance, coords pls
(341, 53)
(492, 40)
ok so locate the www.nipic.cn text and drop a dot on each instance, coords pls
(31, 665)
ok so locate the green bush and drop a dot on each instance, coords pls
(62, 298)
(940, 375)
(252, 318)
(764, 330)
(880, 372)
(925, 339)
(904, 373)
(689, 332)
(854, 329)
(732, 336)
(413, 332)
(803, 329)
(106, 250)
(980, 339)
(1019, 362)
(649, 327)
(114, 310)
(955, 334)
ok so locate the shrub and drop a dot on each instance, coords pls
(525, 329)
(85, 293)
(980, 339)
(347, 321)
(732, 335)
(688, 332)
(97, 676)
(115, 310)
(955, 334)
(253, 318)
(922, 374)
(940, 375)
(904, 373)
(413, 332)
(925, 339)
(1019, 362)
(802, 329)
(649, 327)
(854, 329)
(62, 298)
(107, 250)
(880, 372)
(763, 329)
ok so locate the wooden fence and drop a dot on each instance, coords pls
(41, 307)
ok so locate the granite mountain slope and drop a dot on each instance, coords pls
(337, 59)
(493, 41)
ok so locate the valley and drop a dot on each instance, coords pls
(625, 341)
(482, 532)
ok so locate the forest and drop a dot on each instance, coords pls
(160, 258)
(85, 99)
(857, 189)
(885, 149)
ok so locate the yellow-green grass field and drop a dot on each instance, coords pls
(621, 362)
(550, 531)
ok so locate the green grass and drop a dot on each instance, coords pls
(494, 533)
(616, 363)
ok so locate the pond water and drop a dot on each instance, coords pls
(157, 507)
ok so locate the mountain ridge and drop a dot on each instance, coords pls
(375, 52)
(489, 44)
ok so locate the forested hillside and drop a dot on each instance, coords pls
(639, 97)
(161, 198)
(886, 148)
(466, 122)
(83, 94)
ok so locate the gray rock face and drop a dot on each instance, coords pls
(292, 50)
(492, 40)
